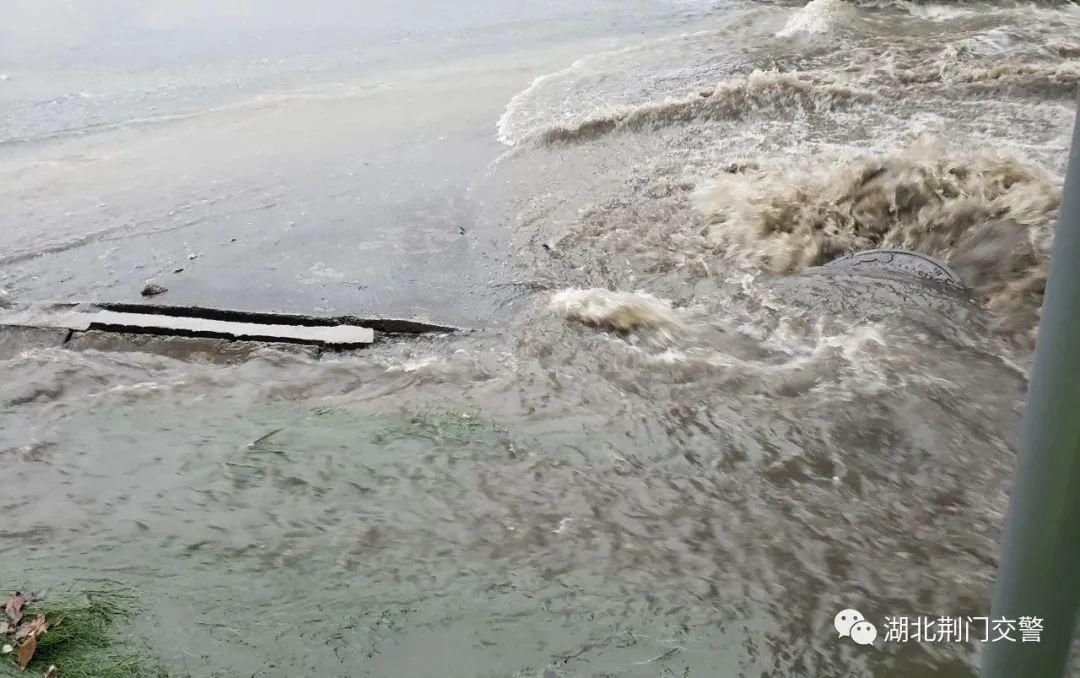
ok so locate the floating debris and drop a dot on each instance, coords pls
(154, 289)
(258, 442)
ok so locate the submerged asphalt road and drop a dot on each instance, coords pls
(263, 206)
(328, 159)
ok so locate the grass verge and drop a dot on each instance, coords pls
(83, 639)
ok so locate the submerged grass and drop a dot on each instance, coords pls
(433, 423)
(84, 640)
(453, 425)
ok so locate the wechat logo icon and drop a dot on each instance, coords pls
(852, 624)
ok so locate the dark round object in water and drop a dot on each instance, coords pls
(900, 261)
(154, 289)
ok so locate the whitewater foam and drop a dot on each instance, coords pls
(617, 311)
(818, 16)
(734, 99)
(987, 215)
(508, 129)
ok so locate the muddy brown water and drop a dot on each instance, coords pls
(675, 445)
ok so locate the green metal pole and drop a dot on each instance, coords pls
(1039, 571)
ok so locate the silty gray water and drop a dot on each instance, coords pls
(679, 446)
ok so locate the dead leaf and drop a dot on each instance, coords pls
(32, 629)
(26, 651)
(52, 672)
(13, 607)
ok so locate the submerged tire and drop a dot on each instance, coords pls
(893, 286)
(900, 262)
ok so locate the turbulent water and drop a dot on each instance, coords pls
(682, 444)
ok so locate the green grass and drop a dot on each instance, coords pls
(83, 639)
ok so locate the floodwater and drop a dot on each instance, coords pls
(674, 444)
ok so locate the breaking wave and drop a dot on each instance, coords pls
(759, 91)
(988, 215)
(1050, 80)
(804, 152)
(818, 16)
(618, 311)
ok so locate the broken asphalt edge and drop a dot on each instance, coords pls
(379, 324)
(113, 318)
